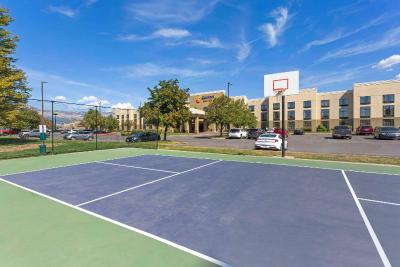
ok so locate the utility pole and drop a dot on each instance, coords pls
(229, 84)
(41, 89)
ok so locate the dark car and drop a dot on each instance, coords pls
(364, 130)
(387, 132)
(254, 133)
(298, 132)
(341, 131)
(142, 137)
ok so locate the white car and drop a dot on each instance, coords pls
(237, 133)
(270, 141)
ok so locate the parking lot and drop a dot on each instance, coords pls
(310, 142)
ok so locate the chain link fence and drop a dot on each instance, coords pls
(71, 127)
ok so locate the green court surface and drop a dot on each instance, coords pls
(37, 231)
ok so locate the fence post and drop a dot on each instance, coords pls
(96, 125)
(52, 127)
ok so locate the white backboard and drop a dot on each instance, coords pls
(288, 81)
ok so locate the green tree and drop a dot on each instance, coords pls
(13, 86)
(219, 112)
(110, 123)
(90, 121)
(241, 115)
(166, 106)
(26, 119)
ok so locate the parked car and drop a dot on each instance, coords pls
(254, 133)
(79, 135)
(298, 132)
(8, 131)
(142, 137)
(364, 130)
(270, 141)
(279, 131)
(342, 132)
(31, 133)
(386, 132)
(237, 133)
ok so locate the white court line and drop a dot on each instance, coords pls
(135, 167)
(371, 231)
(160, 239)
(378, 201)
(141, 185)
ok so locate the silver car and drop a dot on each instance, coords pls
(79, 135)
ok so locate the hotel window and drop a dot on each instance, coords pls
(307, 115)
(135, 116)
(291, 105)
(277, 124)
(291, 115)
(307, 125)
(365, 112)
(264, 125)
(251, 108)
(127, 116)
(365, 122)
(264, 107)
(307, 104)
(122, 117)
(325, 124)
(277, 115)
(344, 101)
(324, 114)
(117, 117)
(276, 106)
(388, 111)
(388, 98)
(388, 122)
(365, 100)
(344, 113)
(264, 116)
(291, 125)
(324, 103)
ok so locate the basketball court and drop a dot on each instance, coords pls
(233, 213)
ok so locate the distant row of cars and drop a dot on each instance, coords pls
(384, 132)
(253, 133)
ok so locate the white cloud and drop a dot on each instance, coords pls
(161, 33)
(331, 78)
(211, 43)
(63, 10)
(60, 98)
(244, 50)
(387, 63)
(398, 76)
(273, 31)
(390, 39)
(171, 11)
(126, 105)
(156, 70)
(90, 2)
(93, 100)
(171, 33)
(340, 34)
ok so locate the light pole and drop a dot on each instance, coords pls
(55, 121)
(229, 84)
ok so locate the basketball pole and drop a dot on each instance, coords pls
(283, 125)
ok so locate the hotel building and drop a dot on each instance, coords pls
(371, 103)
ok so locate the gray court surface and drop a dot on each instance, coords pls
(244, 214)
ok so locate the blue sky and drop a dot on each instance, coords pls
(90, 50)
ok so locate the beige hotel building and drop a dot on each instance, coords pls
(370, 103)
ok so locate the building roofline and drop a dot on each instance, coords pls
(334, 92)
(209, 92)
(377, 82)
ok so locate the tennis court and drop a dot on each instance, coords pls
(232, 213)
